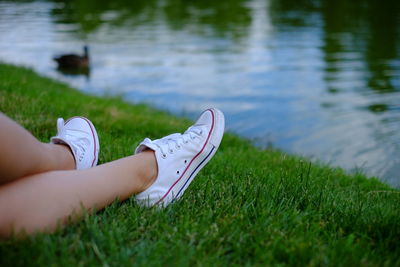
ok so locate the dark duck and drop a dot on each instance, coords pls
(74, 62)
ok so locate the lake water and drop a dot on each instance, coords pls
(315, 78)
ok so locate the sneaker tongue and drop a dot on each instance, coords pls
(197, 129)
(60, 126)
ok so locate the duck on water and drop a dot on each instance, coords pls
(73, 61)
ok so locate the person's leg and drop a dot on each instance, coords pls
(160, 172)
(22, 154)
(39, 202)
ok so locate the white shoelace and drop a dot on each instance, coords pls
(78, 144)
(176, 140)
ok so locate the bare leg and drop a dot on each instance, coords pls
(41, 201)
(23, 155)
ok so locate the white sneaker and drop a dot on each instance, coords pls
(180, 157)
(80, 135)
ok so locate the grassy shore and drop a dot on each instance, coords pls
(247, 206)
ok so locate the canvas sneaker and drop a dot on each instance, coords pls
(180, 157)
(80, 135)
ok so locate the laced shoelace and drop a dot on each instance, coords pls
(176, 140)
(79, 144)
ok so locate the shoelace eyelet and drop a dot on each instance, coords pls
(170, 151)
(177, 146)
(163, 156)
(185, 161)
(177, 172)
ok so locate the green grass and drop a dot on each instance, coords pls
(246, 207)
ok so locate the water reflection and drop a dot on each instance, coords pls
(90, 15)
(319, 78)
(368, 30)
(74, 72)
(362, 55)
(218, 18)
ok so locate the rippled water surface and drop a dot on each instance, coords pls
(316, 78)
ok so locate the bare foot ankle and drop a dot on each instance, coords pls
(62, 157)
(151, 171)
